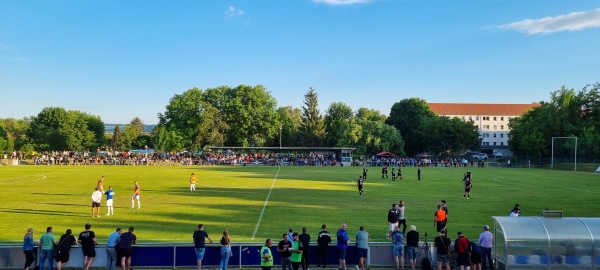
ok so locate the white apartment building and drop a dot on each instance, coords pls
(491, 119)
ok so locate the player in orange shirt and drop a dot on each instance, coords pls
(136, 195)
(193, 183)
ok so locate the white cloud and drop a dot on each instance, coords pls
(232, 12)
(342, 2)
(569, 22)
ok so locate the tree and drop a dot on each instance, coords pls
(181, 118)
(406, 116)
(371, 137)
(117, 139)
(16, 130)
(291, 120)
(138, 126)
(250, 115)
(568, 113)
(370, 114)
(444, 135)
(312, 130)
(336, 115)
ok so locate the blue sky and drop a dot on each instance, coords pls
(126, 59)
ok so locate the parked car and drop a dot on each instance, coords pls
(479, 156)
(497, 154)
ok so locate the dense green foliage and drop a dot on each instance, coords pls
(568, 113)
(234, 197)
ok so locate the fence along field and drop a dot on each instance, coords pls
(255, 203)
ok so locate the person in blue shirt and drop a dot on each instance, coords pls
(342, 244)
(28, 244)
(110, 193)
(111, 248)
(398, 240)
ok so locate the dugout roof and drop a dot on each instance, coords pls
(547, 243)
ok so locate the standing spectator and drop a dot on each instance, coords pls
(359, 185)
(443, 248)
(305, 240)
(136, 195)
(362, 246)
(110, 193)
(266, 258)
(63, 248)
(412, 243)
(225, 250)
(87, 239)
(199, 244)
(461, 245)
(28, 244)
(365, 170)
(486, 239)
(342, 244)
(290, 234)
(96, 199)
(284, 250)
(398, 240)
(193, 183)
(111, 249)
(439, 218)
(392, 219)
(419, 174)
(323, 241)
(127, 239)
(475, 256)
(47, 242)
(296, 251)
(401, 218)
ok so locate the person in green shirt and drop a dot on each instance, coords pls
(47, 242)
(266, 257)
(296, 251)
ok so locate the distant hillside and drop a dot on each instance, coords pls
(110, 128)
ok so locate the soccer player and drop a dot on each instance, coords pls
(136, 195)
(96, 199)
(101, 184)
(359, 184)
(393, 173)
(109, 200)
(468, 186)
(193, 183)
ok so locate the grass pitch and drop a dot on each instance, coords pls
(255, 203)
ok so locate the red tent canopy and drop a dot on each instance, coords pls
(385, 154)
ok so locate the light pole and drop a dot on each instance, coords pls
(280, 127)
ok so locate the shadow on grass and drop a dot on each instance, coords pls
(41, 212)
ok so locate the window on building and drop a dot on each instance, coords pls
(501, 118)
(486, 135)
(494, 143)
(470, 118)
(501, 126)
(495, 127)
(477, 118)
(494, 118)
(485, 143)
(494, 135)
(463, 118)
(486, 126)
(501, 143)
(486, 118)
(501, 135)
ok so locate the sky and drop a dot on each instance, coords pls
(126, 59)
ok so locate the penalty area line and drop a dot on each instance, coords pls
(265, 205)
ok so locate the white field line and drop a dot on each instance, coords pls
(41, 177)
(265, 205)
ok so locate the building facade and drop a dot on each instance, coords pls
(491, 119)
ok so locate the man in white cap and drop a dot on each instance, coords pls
(486, 239)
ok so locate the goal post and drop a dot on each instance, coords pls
(563, 148)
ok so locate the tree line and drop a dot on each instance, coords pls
(249, 116)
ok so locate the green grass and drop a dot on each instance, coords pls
(233, 198)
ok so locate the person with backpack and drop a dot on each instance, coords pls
(461, 245)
